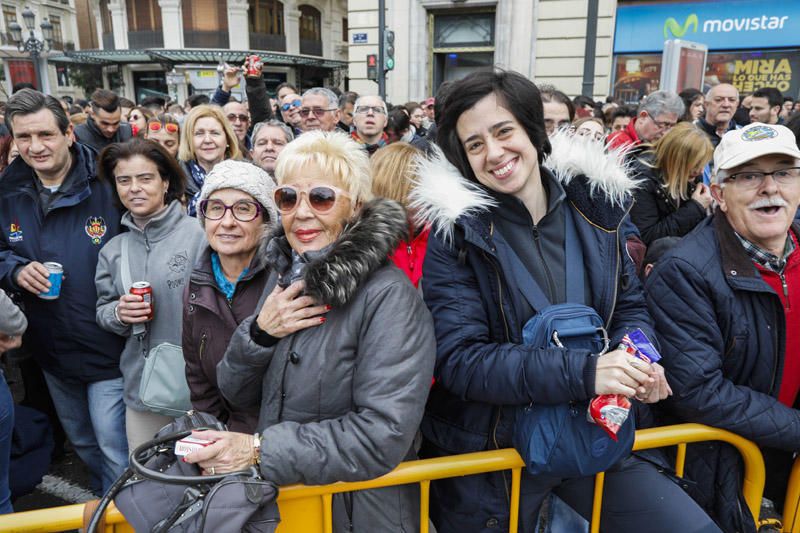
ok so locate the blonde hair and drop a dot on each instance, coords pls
(393, 174)
(186, 150)
(336, 155)
(683, 149)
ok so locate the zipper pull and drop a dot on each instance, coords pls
(785, 291)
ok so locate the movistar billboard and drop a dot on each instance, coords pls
(721, 25)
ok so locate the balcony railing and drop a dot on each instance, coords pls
(311, 48)
(145, 39)
(108, 41)
(205, 39)
(267, 41)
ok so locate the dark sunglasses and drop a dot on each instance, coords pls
(318, 111)
(242, 118)
(169, 126)
(294, 103)
(243, 210)
(321, 198)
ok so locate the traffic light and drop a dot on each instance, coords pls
(388, 50)
(372, 67)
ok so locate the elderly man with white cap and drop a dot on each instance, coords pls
(726, 302)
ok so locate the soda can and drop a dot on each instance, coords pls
(55, 277)
(143, 289)
(252, 63)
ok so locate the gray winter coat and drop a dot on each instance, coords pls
(342, 401)
(12, 319)
(163, 254)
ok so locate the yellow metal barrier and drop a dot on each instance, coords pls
(307, 509)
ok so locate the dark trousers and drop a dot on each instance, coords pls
(637, 497)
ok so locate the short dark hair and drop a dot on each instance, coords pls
(550, 94)
(285, 84)
(124, 102)
(106, 100)
(22, 85)
(773, 96)
(154, 103)
(788, 99)
(398, 120)
(348, 97)
(623, 111)
(29, 101)
(198, 99)
(582, 100)
(167, 165)
(514, 92)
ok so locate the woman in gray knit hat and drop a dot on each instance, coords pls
(236, 209)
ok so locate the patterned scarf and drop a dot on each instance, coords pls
(224, 285)
(370, 148)
(198, 177)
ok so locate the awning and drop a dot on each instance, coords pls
(191, 55)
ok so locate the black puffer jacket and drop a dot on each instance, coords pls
(722, 335)
(654, 211)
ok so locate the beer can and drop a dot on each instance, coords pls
(56, 275)
(252, 63)
(143, 289)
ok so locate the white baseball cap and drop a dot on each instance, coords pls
(737, 147)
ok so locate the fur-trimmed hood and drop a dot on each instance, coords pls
(593, 178)
(334, 275)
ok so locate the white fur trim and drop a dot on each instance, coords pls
(441, 195)
(574, 155)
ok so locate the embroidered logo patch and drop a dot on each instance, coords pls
(95, 229)
(15, 233)
(759, 133)
(178, 262)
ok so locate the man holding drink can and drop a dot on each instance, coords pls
(55, 216)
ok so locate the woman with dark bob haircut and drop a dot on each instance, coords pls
(161, 245)
(500, 220)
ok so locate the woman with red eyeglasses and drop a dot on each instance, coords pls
(165, 130)
(339, 356)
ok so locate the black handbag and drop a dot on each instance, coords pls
(159, 493)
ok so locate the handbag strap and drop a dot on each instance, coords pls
(125, 271)
(531, 290)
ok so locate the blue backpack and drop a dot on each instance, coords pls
(558, 440)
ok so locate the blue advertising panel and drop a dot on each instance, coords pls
(729, 25)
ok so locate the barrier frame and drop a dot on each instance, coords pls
(302, 504)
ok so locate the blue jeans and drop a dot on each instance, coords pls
(93, 416)
(6, 428)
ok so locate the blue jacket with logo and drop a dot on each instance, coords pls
(62, 334)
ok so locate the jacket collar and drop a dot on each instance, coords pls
(158, 227)
(203, 273)
(364, 246)
(737, 266)
(595, 181)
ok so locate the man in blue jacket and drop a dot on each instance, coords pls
(729, 337)
(53, 208)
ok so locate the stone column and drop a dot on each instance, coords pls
(119, 22)
(238, 25)
(291, 26)
(172, 23)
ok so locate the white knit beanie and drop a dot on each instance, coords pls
(242, 176)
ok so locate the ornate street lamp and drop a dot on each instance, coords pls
(32, 45)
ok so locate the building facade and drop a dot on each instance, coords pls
(174, 47)
(19, 66)
(439, 40)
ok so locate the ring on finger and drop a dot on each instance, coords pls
(213, 471)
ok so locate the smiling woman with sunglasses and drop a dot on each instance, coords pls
(235, 209)
(165, 130)
(340, 355)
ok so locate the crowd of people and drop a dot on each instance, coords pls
(346, 282)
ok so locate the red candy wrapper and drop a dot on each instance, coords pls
(610, 411)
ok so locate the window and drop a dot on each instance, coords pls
(205, 15)
(345, 37)
(143, 15)
(463, 42)
(62, 75)
(58, 36)
(9, 16)
(310, 24)
(266, 16)
(105, 17)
